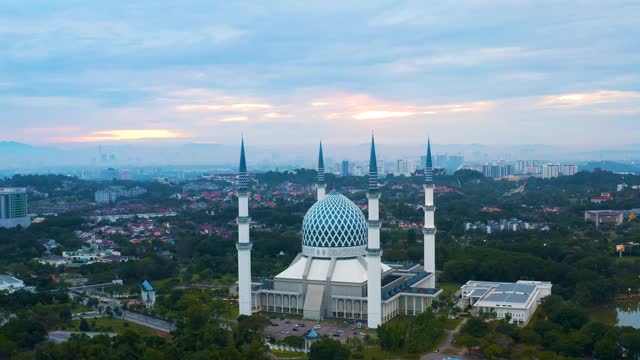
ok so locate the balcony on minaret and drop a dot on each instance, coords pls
(374, 224)
(429, 230)
(374, 252)
(242, 193)
(244, 246)
(373, 195)
(429, 208)
(243, 220)
(429, 186)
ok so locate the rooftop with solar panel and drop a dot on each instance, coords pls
(519, 299)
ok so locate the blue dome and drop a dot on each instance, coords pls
(334, 222)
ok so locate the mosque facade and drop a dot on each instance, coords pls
(339, 273)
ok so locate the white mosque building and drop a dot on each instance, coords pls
(339, 273)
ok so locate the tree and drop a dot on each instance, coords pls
(607, 348)
(507, 317)
(327, 348)
(294, 341)
(475, 327)
(84, 325)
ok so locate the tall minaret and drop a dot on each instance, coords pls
(374, 253)
(243, 245)
(321, 184)
(429, 229)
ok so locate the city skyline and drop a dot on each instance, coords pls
(291, 73)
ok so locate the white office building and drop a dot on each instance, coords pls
(13, 208)
(519, 299)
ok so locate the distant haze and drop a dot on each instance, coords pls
(22, 156)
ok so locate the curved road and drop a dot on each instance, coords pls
(447, 344)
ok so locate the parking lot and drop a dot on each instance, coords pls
(337, 330)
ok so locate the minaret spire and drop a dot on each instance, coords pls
(243, 180)
(321, 182)
(243, 245)
(428, 170)
(429, 229)
(374, 253)
(373, 167)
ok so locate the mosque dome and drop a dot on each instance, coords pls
(334, 227)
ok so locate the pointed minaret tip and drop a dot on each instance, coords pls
(243, 162)
(429, 160)
(373, 167)
(320, 165)
(243, 179)
(428, 171)
(320, 157)
(373, 163)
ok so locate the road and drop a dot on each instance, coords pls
(62, 336)
(148, 321)
(447, 344)
(140, 319)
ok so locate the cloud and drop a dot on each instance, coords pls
(587, 99)
(250, 107)
(124, 135)
(319, 103)
(275, 115)
(373, 115)
(234, 119)
(197, 107)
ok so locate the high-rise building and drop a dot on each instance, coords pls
(381, 169)
(405, 167)
(13, 208)
(345, 167)
(423, 162)
(497, 171)
(550, 171)
(568, 169)
(455, 161)
(401, 167)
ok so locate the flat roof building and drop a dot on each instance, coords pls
(9, 284)
(604, 217)
(519, 299)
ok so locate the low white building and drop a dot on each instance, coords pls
(148, 293)
(519, 299)
(9, 284)
(53, 260)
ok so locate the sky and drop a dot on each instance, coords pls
(293, 72)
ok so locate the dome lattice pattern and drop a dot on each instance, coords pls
(334, 221)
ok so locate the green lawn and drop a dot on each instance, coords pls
(449, 287)
(108, 324)
(452, 323)
(628, 259)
